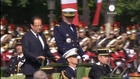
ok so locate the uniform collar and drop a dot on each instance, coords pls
(72, 68)
(20, 56)
(99, 63)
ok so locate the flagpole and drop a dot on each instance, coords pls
(110, 17)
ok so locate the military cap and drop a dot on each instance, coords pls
(70, 53)
(18, 41)
(103, 51)
(69, 12)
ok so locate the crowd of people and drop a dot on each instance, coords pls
(23, 50)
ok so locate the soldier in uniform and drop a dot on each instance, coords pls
(70, 71)
(5, 38)
(105, 42)
(84, 40)
(52, 43)
(116, 30)
(102, 37)
(66, 35)
(22, 31)
(101, 68)
(16, 62)
(46, 31)
(11, 29)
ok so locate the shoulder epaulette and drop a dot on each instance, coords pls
(63, 76)
(57, 25)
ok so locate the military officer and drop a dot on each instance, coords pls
(46, 31)
(52, 43)
(84, 40)
(102, 37)
(101, 68)
(65, 35)
(16, 62)
(5, 38)
(70, 71)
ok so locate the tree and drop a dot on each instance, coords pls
(128, 11)
(18, 11)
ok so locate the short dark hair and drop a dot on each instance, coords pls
(35, 17)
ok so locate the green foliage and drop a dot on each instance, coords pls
(129, 9)
(23, 3)
(6, 2)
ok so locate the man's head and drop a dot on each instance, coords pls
(71, 56)
(103, 55)
(69, 14)
(82, 32)
(111, 34)
(40, 75)
(36, 24)
(52, 31)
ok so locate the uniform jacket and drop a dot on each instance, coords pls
(13, 66)
(32, 48)
(68, 73)
(66, 38)
(97, 71)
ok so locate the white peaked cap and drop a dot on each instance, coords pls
(71, 52)
(69, 10)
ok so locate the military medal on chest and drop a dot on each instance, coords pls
(68, 40)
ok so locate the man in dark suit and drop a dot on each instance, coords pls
(65, 35)
(16, 63)
(35, 48)
(101, 68)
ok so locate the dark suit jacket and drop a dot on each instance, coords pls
(66, 38)
(98, 71)
(68, 73)
(13, 66)
(32, 48)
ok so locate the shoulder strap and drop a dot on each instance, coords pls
(63, 76)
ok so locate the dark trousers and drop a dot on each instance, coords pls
(29, 76)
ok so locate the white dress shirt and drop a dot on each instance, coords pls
(40, 39)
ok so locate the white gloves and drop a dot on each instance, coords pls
(85, 57)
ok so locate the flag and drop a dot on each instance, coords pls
(97, 13)
(71, 4)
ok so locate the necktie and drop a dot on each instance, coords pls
(71, 28)
(37, 35)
